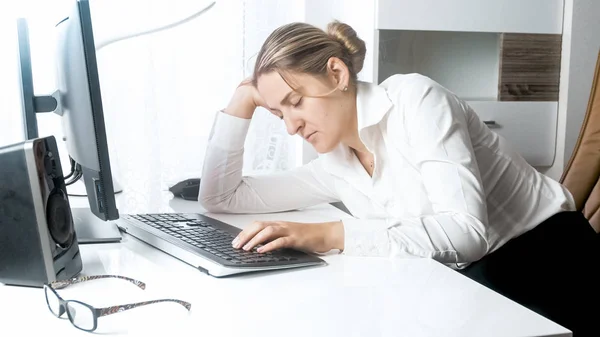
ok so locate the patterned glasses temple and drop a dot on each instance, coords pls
(120, 308)
(65, 283)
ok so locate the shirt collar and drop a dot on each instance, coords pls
(372, 103)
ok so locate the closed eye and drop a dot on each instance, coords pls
(297, 104)
(276, 112)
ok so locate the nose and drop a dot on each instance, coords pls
(292, 124)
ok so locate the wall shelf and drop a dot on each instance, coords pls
(464, 62)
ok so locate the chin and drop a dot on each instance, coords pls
(322, 147)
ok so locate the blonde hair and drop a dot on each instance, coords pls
(304, 48)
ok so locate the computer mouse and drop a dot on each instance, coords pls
(187, 189)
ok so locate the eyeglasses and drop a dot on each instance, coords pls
(84, 316)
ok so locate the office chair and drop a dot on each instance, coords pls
(582, 174)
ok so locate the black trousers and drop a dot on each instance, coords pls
(552, 270)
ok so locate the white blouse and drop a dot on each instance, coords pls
(444, 185)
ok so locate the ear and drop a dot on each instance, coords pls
(339, 73)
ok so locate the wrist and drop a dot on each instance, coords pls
(241, 104)
(239, 110)
(336, 235)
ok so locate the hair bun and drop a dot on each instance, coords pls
(352, 44)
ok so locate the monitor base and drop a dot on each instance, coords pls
(90, 229)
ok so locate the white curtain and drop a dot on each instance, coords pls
(160, 92)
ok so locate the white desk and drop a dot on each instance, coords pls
(348, 297)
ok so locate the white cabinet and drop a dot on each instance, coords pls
(501, 56)
(509, 16)
(529, 126)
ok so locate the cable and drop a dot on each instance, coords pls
(78, 173)
(72, 169)
(154, 30)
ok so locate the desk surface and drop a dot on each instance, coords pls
(350, 296)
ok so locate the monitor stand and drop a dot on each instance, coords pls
(77, 189)
(91, 229)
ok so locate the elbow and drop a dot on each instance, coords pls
(213, 205)
(473, 246)
(212, 202)
(472, 251)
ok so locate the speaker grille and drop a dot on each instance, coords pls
(59, 219)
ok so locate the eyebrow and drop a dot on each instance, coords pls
(285, 98)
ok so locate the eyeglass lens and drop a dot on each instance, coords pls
(53, 302)
(80, 315)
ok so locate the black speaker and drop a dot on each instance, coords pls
(38, 243)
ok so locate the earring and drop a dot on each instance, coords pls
(345, 89)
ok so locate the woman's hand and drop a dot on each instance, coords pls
(309, 237)
(245, 100)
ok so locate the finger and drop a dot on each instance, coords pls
(281, 242)
(249, 232)
(270, 232)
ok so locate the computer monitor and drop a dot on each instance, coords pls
(78, 101)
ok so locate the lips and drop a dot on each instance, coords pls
(310, 135)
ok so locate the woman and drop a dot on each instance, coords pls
(418, 170)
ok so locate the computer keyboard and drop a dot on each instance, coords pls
(209, 240)
(203, 235)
